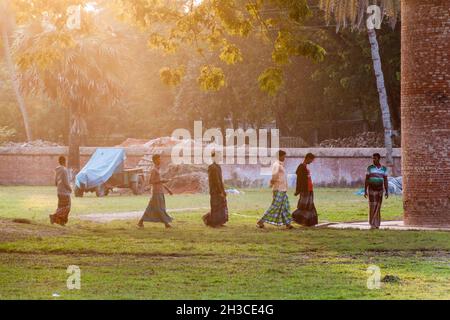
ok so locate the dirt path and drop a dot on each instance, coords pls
(12, 231)
(108, 217)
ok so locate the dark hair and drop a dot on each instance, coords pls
(155, 156)
(213, 153)
(281, 153)
(310, 156)
(377, 155)
(62, 160)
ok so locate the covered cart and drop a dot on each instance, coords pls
(105, 170)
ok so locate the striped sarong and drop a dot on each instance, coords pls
(279, 212)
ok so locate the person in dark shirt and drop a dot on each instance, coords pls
(218, 215)
(64, 190)
(306, 213)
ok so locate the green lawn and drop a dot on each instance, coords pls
(190, 261)
(332, 204)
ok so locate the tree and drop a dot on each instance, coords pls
(79, 69)
(212, 26)
(6, 28)
(351, 13)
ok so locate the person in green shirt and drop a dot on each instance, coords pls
(376, 180)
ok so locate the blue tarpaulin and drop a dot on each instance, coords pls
(102, 165)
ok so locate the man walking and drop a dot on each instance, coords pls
(376, 179)
(156, 208)
(279, 211)
(61, 216)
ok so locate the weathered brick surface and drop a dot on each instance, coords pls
(344, 167)
(426, 111)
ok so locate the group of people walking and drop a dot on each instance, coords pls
(279, 212)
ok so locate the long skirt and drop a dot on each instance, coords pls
(219, 211)
(61, 215)
(306, 213)
(279, 212)
(375, 201)
(156, 210)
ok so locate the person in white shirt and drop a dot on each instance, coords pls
(279, 212)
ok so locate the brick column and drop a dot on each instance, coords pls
(425, 111)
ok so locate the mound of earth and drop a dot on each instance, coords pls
(12, 231)
(363, 140)
(30, 144)
(187, 178)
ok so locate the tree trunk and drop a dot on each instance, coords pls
(12, 71)
(74, 142)
(425, 110)
(385, 112)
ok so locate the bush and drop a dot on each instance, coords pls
(6, 134)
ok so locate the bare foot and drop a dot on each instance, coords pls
(260, 224)
(289, 227)
(168, 226)
(140, 225)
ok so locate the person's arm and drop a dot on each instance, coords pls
(298, 183)
(386, 185)
(275, 171)
(66, 180)
(56, 179)
(366, 185)
(220, 182)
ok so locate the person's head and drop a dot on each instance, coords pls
(309, 158)
(62, 160)
(156, 158)
(376, 157)
(213, 156)
(281, 155)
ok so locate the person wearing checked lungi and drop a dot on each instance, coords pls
(376, 179)
(279, 212)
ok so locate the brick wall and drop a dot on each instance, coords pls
(333, 167)
(425, 111)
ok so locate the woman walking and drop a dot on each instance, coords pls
(218, 215)
(306, 213)
(156, 209)
(279, 211)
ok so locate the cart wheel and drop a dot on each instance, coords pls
(100, 191)
(78, 192)
(138, 187)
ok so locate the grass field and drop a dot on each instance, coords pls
(190, 261)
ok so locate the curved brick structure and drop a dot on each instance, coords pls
(426, 111)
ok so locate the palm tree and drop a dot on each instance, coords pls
(85, 72)
(351, 13)
(6, 28)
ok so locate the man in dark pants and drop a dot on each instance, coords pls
(218, 215)
(61, 216)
